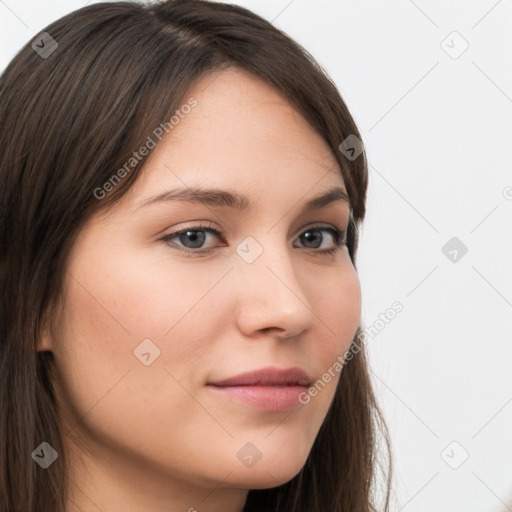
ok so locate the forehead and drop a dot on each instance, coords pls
(242, 134)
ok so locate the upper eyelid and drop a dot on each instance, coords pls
(202, 227)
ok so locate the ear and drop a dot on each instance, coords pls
(44, 343)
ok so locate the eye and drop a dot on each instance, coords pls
(313, 239)
(192, 239)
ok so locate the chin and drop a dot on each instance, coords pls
(266, 475)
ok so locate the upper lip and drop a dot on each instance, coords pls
(269, 376)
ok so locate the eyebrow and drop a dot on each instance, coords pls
(224, 198)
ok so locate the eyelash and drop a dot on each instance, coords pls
(338, 236)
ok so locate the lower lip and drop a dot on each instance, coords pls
(265, 398)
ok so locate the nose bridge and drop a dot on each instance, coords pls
(270, 290)
(267, 255)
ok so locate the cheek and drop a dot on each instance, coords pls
(133, 295)
(115, 305)
(336, 300)
(106, 318)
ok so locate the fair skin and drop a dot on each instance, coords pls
(156, 437)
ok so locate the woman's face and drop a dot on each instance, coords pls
(147, 327)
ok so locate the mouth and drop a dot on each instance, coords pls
(268, 389)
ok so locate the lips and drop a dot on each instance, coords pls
(269, 389)
(270, 376)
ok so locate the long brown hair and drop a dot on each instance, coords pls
(73, 113)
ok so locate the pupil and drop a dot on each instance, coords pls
(316, 234)
(197, 241)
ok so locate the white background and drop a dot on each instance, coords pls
(438, 133)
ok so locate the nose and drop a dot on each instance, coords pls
(269, 294)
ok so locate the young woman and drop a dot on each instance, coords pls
(181, 192)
